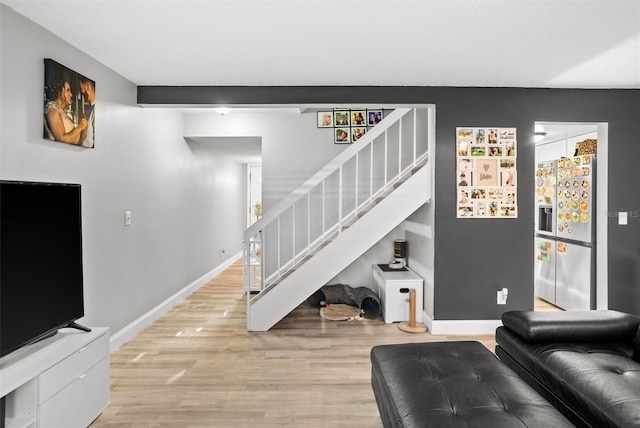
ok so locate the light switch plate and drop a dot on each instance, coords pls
(623, 218)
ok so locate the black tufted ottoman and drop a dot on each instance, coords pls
(454, 384)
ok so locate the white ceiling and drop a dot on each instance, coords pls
(521, 43)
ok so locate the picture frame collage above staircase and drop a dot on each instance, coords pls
(349, 125)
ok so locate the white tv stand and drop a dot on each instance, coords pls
(61, 381)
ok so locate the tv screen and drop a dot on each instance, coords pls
(41, 282)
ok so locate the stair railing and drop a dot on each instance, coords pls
(333, 198)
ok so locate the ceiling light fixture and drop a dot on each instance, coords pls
(222, 110)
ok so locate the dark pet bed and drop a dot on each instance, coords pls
(362, 297)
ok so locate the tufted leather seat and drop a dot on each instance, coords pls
(580, 361)
(454, 384)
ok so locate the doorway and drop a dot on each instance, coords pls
(556, 140)
(254, 193)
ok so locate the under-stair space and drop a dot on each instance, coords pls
(336, 216)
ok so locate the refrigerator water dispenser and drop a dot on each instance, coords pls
(545, 219)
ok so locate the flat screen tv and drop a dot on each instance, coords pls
(41, 279)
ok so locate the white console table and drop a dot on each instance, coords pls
(62, 381)
(393, 289)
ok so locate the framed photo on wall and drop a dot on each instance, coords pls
(359, 118)
(343, 135)
(341, 118)
(69, 106)
(374, 117)
(325, 119)
(357, 132)
(486, 174)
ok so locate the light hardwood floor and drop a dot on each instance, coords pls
(197, 366)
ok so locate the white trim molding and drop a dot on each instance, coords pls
(460, 326)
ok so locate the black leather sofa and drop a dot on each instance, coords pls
(454, 385)
(586, 363)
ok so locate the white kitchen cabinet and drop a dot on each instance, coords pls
(393, 289)
(62, 381)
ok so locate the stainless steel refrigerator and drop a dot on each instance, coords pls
(565, 231)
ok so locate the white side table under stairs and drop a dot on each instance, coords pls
(393, 289)
(62, 381)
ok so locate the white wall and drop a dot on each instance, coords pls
(186, 203)
(360, 272)
(293, 148)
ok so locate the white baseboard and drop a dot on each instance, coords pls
(130, 331)
(460, 326)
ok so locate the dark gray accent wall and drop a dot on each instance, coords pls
(475, 257)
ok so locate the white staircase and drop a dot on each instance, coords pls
(337, 215)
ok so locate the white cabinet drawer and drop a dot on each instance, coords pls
(80, 402)
(66, 371)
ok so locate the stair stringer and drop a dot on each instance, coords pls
(273, 304)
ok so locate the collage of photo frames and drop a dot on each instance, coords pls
(349, 124)
(486, 172)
